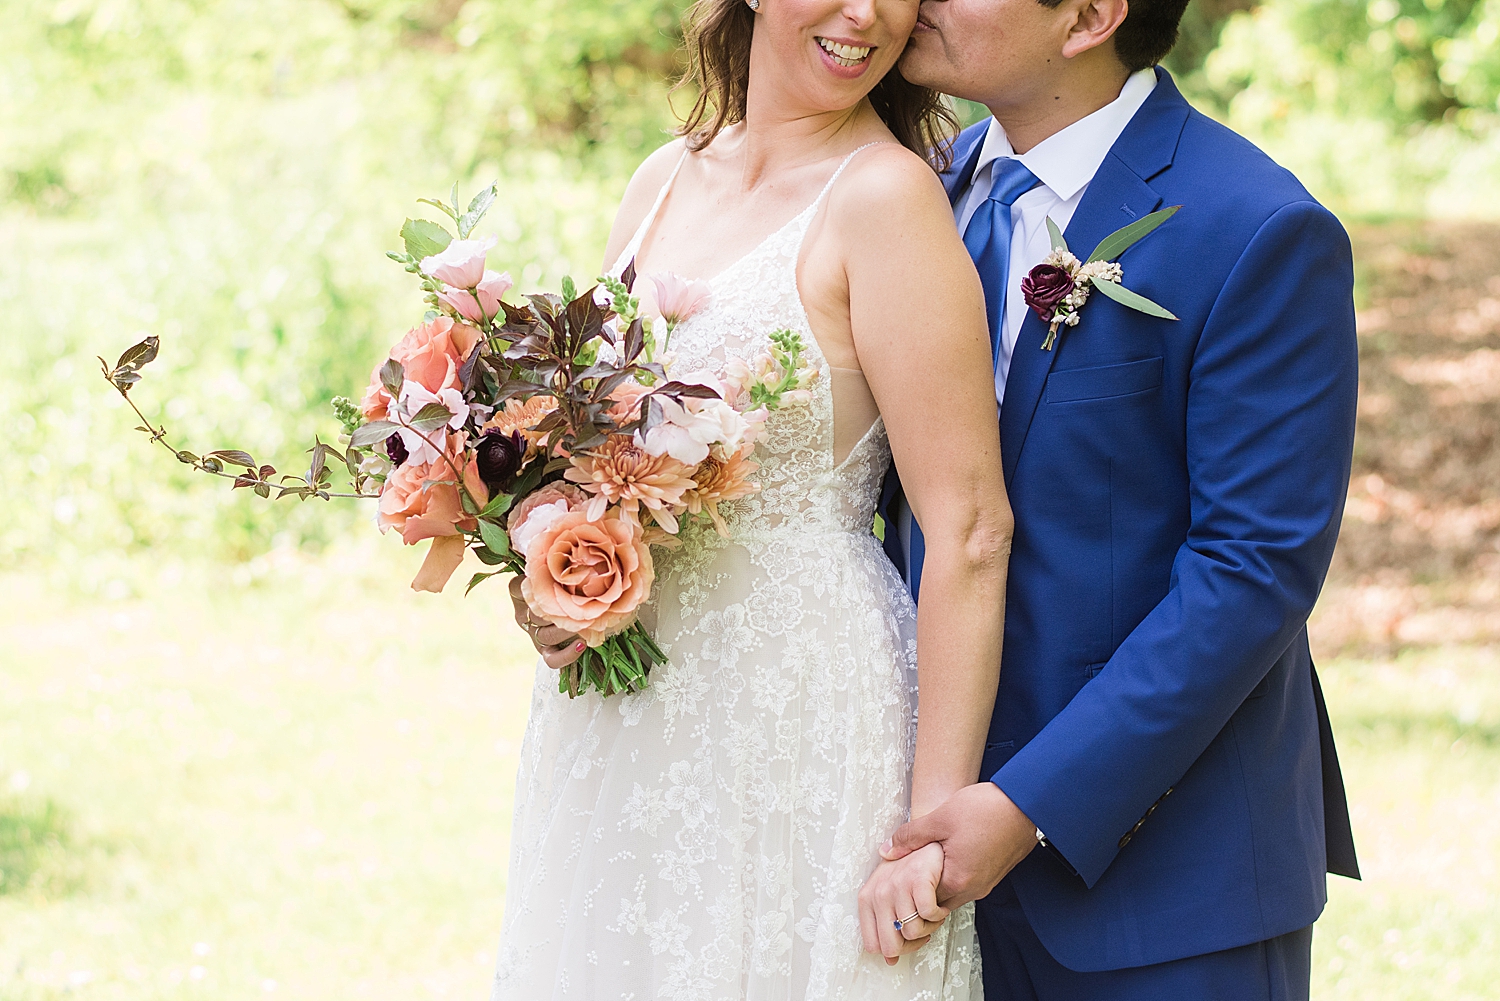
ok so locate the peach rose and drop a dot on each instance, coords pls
(588, 577)
(627, 401)
(422, 501)
(431, 355)
(523, 528)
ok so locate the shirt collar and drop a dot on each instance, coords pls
(1067, 160)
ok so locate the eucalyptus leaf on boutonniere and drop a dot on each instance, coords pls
(1057, 288)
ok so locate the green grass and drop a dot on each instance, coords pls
(292, 780)
(301, 780)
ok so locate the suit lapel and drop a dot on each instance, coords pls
(966, 150)
(1116, 196)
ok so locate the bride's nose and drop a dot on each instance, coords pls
(860, 12)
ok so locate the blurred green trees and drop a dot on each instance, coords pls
(1381, 106)
(226, 174)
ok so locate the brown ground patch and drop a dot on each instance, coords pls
(1418, 562)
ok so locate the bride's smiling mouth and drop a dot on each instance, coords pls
(845, 58)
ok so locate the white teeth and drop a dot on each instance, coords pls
(845, 55)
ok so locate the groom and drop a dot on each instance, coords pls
(1161, 798)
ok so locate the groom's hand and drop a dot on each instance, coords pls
(983, 835)
(558, 647)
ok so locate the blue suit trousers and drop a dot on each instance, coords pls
(1017, 967)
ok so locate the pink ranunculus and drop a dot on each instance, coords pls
(588, 577)
(483, 303)
(678, 298)
(431, 355)
(461, 264)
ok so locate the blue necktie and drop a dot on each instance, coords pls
(988, 240)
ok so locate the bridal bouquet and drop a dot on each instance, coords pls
(549, 438)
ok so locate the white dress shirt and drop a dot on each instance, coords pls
(1064, 162)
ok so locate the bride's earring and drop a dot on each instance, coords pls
(753, 4)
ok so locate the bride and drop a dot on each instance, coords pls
(717, 835)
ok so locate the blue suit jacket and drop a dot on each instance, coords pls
(1177, 489)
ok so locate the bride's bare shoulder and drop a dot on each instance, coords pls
(887, 193)
(640, 194)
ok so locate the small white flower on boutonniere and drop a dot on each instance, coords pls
(1057, 288)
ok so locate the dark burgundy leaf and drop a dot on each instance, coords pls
(609, 385)
(372, 433)
(233, 456)
(584, 320)
(466, 371)
(553, 420)
(627, 277)
(392, 375)
(651, 413)
(139, 354)
(679, 389)
(635, 341)
(431, 417)
(594, 440)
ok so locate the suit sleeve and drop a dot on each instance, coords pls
(1269, 440)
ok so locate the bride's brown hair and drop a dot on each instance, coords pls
(717, 36)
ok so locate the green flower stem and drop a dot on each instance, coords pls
(620, 664)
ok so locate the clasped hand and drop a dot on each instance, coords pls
(940, 861)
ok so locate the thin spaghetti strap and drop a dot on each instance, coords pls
(634, 246)
(847, 160)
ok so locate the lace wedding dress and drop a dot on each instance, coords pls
(706, 839)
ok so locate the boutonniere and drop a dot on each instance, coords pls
(1057, 288)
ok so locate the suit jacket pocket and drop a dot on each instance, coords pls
(1075, 385)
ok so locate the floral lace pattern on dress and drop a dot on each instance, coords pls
(706, 839)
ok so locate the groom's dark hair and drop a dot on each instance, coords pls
(717, 36)
(1148, 32)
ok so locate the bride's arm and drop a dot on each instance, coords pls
(918, 320)
(640, 195)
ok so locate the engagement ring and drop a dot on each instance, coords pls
(901, 922)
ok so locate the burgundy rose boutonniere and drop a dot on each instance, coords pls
(1057, 288)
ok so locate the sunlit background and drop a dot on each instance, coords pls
(238, 759)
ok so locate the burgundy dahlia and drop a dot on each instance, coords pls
(1045, 287)
(396, 449)
(499, 457)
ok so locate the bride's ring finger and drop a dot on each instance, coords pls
(913, 927)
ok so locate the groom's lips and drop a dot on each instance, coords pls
(924, 23)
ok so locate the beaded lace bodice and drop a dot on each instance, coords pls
(803, 489)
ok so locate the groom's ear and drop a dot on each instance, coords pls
(1094, 25)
